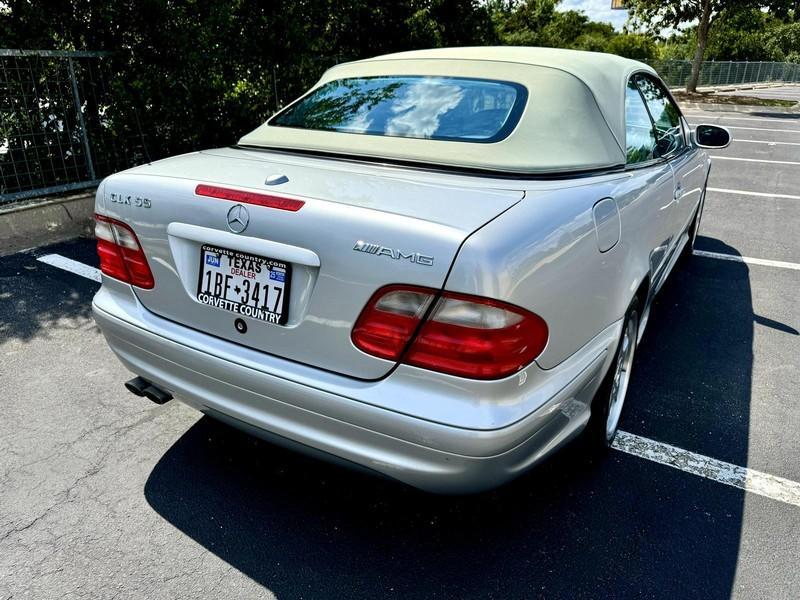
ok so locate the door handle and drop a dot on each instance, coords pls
(678, 193)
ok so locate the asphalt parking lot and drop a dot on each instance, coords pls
(779, 92)
(107, 495)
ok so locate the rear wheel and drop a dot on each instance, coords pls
(686, 253)
(610, 398)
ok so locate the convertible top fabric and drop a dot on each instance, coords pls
(574, 119)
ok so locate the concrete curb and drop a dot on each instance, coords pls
(45, 221)
(744, 108)
(746, 87)
(736, 87)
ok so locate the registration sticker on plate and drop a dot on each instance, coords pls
(245, 284)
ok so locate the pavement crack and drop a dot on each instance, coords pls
(93, 469)
(59, 448)
(25, 527)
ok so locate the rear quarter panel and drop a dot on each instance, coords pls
(543, 255)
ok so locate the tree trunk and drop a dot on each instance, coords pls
(700, 49)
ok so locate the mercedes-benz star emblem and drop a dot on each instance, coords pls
(238, 218)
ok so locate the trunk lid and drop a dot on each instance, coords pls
(417, 220)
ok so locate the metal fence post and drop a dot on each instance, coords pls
(50, 151)
(81, 123)
(275, 87)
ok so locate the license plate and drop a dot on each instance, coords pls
(244, 284)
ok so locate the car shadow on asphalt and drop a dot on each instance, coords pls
(776, 115)
(577, 526)
(36, 298)
(692, 380)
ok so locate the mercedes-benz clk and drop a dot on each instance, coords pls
(435, 265)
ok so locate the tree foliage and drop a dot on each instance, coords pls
(660, 14)
(539, 23)
(752, 34)
(203, 72)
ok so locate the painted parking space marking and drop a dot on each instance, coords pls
(746, 259)
(747, 193)
(769, 143)
(757, 160)
(763, 129)
(743, 478)
(73, 266)
(758, 119)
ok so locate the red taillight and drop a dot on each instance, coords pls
(121, 255)
(462, 335)
(213, 191)
(389, 320)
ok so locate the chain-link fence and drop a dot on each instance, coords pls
(722, 73)
(60, 127)
(66, 119)
(63, 128)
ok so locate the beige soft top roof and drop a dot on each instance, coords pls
(574, 118)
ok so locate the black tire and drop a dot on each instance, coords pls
(596, 433)
(688, 249)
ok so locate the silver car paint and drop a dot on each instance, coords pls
(438, 432)
(332, 283)
(443, 434)
(543, 254)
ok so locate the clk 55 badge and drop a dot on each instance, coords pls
(131, 200)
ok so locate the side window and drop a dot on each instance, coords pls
(665, 113)
(640, 138)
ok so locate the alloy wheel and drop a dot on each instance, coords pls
(622, 375)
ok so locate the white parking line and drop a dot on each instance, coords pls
(73, 266)
(743, 478)
(750, 480)
(763, 129)
(760, 120)
(759, 194)
(758, 160)
(93, 273)
(750, 261)
(767, 142)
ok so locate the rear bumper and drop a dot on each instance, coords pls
(319, 412)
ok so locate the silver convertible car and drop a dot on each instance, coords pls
(435, 265)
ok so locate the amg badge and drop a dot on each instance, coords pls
(378, 250)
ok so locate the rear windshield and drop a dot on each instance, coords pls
(437, 108)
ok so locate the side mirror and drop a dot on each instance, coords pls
(711, 136)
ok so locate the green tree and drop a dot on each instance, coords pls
(538, 23)
(659, 14)
(740, 36)
(522, 23)
(784, 42)
(437, 23)
(632, 45)
(571, 29)
(203, 72)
